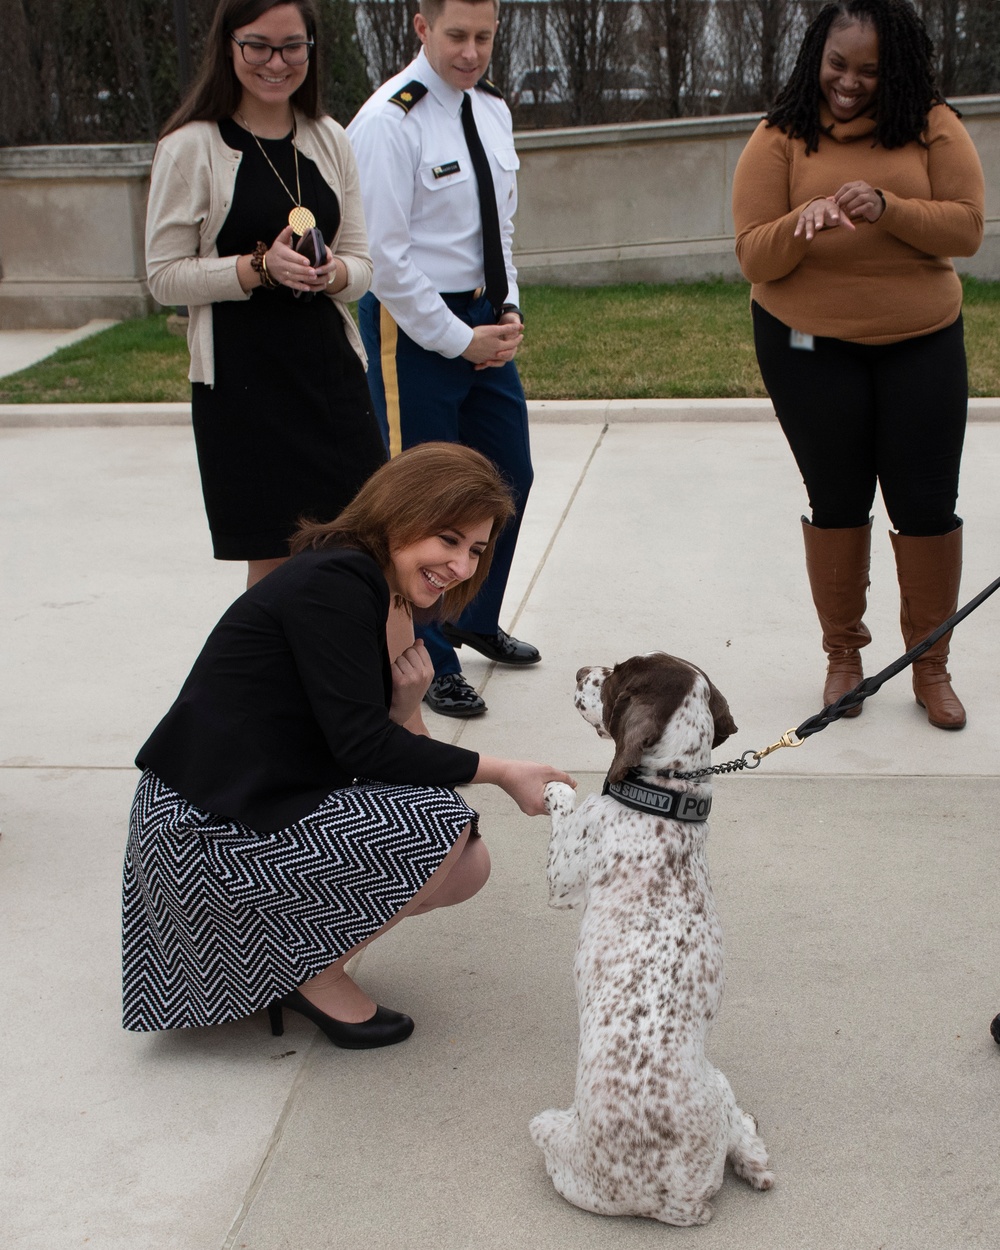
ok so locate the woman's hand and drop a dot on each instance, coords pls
(412, 673)
(334, 273)
(523, 780)
(821, 215)
(858, 199)
(290, 268)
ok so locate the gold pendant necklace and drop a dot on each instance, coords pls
(300, 218)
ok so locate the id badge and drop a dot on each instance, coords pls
(802, 342)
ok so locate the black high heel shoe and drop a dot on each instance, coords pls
(385, 1028)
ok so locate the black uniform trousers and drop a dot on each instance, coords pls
(421, 397)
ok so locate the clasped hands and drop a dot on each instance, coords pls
(493, 346)
(854, 200)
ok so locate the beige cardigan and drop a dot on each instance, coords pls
(190, 194)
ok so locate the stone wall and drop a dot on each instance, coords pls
(650, 201)
(645, 202)
(71, 234)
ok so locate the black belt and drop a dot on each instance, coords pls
(469, 296)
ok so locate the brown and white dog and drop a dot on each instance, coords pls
(653, 1122)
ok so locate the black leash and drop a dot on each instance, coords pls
(852, 699)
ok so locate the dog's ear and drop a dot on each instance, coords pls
(725, 726)
(639, 726)
(633, 720)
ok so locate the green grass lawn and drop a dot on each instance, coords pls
(638, 342)
(690, 340)
(982, 335)
(132, 362)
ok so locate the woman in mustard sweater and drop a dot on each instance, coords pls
(848, 201)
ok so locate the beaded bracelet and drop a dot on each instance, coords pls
(259, 265)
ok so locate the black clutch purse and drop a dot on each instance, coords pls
(313, 248)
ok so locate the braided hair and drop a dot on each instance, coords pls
(906, 89)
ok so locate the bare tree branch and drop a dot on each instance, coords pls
(79, 71)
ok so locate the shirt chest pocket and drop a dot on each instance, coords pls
(507, 159)
(444, 174)
(508, 162)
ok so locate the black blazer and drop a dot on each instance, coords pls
(289, 700)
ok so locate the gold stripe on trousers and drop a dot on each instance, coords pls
(388, 338)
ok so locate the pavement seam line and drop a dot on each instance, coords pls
(559, 525)
(72, 768)
(274, 1141)
(581, 478)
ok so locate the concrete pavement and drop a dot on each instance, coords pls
(857, 879)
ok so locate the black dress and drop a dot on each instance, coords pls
(288, 429)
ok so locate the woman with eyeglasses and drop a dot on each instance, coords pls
(245, 167)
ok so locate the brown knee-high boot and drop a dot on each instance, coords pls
(929, 571)
(837, 562)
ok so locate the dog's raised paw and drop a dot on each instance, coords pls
(559, 798)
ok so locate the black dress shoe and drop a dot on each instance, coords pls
(995, 1029)
(499, 646)
(451, 695)
(385, 1028)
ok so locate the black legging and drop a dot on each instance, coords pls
(856, 415)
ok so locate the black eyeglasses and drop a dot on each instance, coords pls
(257, 53)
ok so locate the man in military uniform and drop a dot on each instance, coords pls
(441, 326)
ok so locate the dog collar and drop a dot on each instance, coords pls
(657, 800)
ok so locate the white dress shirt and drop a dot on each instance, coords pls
(422, 202)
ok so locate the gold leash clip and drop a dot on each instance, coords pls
(789, 739)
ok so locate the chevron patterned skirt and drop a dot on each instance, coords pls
(219, 920)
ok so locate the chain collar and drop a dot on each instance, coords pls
(749, 759)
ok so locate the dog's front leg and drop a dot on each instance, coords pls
(565, 871)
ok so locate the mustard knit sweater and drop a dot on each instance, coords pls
(882, 282)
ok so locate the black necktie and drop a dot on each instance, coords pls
(493, 264)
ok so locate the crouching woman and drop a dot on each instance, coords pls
(285, 817)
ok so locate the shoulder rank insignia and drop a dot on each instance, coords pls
(407, 96)
(490, 88)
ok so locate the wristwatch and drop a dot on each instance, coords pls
(506, 308)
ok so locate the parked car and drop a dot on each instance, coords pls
(539, 86)
(549, 86)
(625, 84)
